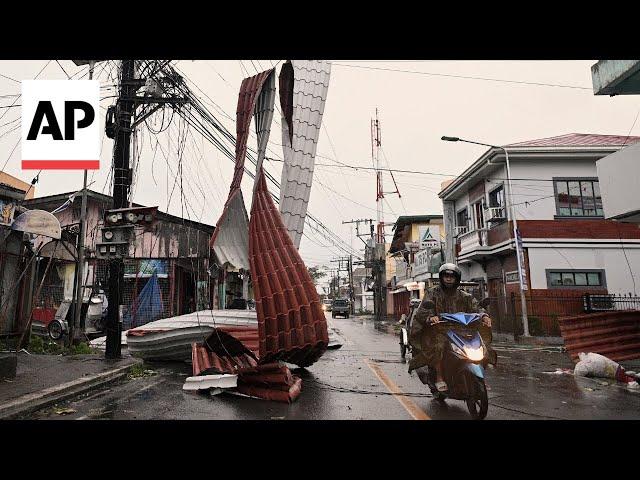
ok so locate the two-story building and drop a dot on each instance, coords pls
(415, 255)
(570, 248)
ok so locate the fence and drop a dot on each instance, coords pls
(544, 310)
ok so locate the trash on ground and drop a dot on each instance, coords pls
(64, 411)
(205, 382)
(596, 365)
(561, 371)
(633, 385)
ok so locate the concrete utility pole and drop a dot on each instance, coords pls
(75, 329)
(516, 234)
(121, 184)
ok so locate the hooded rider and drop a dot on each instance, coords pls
(427, 338)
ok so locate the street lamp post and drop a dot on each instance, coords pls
(516, 236)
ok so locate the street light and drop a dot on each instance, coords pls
(519, 253)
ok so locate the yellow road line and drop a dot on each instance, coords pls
(416, 412)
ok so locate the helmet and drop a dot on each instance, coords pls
(452, 269)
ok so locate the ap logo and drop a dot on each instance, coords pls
(60, 126)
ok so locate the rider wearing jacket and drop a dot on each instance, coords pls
(427, 338)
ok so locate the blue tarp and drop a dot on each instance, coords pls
(147, 307)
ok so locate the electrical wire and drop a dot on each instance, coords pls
(467, 77)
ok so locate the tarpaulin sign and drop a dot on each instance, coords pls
(60, 125)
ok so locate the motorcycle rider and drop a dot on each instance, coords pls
(427, 338)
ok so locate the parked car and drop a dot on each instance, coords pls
(327, 304)
(340, 307)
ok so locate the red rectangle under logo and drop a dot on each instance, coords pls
(60, 164)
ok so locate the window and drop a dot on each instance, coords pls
(496, 197)
(578, 198)
(462, 218)
(575, 278)
(478, 215)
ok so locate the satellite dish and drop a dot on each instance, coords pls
(38, 222)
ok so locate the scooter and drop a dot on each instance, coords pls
(464, 361)
(405, 328)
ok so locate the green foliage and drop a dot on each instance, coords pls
(315, 274)
(46, 346)
(138, 371)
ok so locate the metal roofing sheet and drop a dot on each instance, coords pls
(303, 92)
(230, 238)
(579, 140)
(291, 323)
(614, 334)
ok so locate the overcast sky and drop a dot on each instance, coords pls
(415, 110)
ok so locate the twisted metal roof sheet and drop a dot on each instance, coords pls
(291, 323)
(303, 93)
(230, 239)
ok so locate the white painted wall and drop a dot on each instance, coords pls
(471, 270)
(619, 175)
(541, 208)
(612, 260)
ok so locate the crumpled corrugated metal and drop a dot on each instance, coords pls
(291, 323)
(230, 241)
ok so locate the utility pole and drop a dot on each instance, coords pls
(351, 291)
(376, 142)
(358, 222)
(75, 329)
(121, 184)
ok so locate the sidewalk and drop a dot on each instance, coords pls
(45, 379)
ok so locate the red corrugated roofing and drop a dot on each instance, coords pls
(579, 140)
(249, 91)
(614, 334)
(291, 323)
(227, 350)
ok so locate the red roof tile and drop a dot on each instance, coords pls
(291, 322)
(579, 140)
(226, 350)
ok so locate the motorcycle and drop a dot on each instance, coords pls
(464, 361)
(405, 328)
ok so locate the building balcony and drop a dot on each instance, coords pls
(474, 243)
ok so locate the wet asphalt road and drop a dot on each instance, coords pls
(356, 382)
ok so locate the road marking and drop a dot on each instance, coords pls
(416, 412)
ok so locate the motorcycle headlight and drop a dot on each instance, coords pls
(474, 354)
(458, 351)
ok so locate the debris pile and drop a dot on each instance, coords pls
(228, 361)
(596, 365)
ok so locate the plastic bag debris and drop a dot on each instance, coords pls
(561, 371)
(64, 411)
(596, 365)
(633, 385)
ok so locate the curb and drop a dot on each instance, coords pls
(35, 401)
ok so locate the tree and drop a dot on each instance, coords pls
(316, 274)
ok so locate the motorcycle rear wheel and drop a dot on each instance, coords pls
(479, 404)
(403, 347)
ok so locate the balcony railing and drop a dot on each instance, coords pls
(495, 214)
(461, 231)
(473, 239)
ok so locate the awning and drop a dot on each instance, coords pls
(60, 250)
(408, 286)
